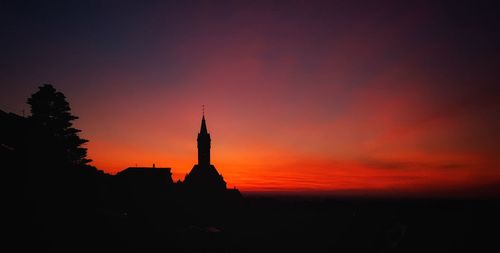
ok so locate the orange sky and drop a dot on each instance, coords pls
(314, 97)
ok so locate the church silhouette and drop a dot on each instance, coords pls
(203, 180)
(204, 176)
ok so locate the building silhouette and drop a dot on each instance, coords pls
(146, 177)
(145, 189)
(204, 176)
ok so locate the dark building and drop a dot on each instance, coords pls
(204, 176)
(147, 187)
(147, 176)
(146, 179)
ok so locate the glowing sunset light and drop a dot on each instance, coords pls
(322, 97)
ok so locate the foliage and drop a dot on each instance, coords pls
(50, 109)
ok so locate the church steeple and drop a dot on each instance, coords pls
(204, 177)
(203, 128)
(204, 144)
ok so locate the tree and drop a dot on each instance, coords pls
(50, 109)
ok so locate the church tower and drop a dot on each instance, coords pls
(204, 176)
(203, 144)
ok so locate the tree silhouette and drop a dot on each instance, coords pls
(50, 109)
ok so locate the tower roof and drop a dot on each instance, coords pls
(203, 129)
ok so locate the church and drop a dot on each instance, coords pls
(204, 176)
(201, 180)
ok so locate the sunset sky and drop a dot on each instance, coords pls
(300, 96)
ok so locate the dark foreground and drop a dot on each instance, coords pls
(268, 224)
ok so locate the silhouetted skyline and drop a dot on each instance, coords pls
(326, 126)
(303, 96)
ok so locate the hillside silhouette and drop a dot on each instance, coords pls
(57, 202)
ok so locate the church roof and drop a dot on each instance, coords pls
(203, 129)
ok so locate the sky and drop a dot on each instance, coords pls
(352, 97)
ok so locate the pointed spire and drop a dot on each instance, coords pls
(203, 144)
(203, 129)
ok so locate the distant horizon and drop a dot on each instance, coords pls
(485, 190)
